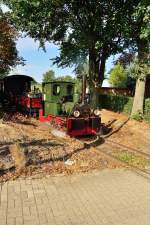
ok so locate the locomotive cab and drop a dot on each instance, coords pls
(58, 97)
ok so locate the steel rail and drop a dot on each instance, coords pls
(144, 172)
(131, 149)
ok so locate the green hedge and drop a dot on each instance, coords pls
(147, 110)
(116, 103)
(122, 104)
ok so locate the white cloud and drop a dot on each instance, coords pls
(27, 43)
(4, 8)
(23, 69)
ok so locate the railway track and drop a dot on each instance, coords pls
(107, 148)
(125, 147)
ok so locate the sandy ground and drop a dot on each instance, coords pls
(27, 148)
(133, 134)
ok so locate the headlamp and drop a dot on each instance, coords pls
(96, 112)
(76, 113)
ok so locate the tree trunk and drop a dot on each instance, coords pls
(96, 74)
(102, 70)
(93, 74)
(138, 103)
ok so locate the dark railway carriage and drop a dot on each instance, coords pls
(17, 85)
(18, 96)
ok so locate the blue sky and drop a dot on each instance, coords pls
(38, 62)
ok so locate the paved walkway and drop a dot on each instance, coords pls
(108, 197)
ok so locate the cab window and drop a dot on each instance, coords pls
(56, 89)
(69, 89)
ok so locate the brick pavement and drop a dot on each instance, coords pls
(108, 197)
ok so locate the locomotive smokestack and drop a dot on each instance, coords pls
(83, 88)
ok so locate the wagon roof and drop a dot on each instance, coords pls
(20, 76)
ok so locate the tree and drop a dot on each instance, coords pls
(125, 59)
(49, 76)
(118, 77)
(81, 28)
(65, 78)
(138, 72)
(140, 31)
(94, 36)
(93, 29)
(8, 53)
(82, 68)
(78, 82)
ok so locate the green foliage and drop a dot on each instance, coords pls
(35, 86)
(132, 159)
(132, 70)
(8, 52)
(139, 22)
(138, 116)
(118, 77)
(81, 28)
(142, 15)
(140, 33)
(124, 79)
(146, 19)
(128, 106)
(65, 78)
(125, 59)
(3, 73)
(137, 70)
(49, 76)
(116, 103)
(147, 110)
(78, 83)
(124, 104)
(1, 114)
(82, 69)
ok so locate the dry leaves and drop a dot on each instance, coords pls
(38, 151)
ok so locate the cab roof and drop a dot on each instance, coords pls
(59, 81)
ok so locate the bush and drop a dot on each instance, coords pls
(147, 110)
(139, 117)
(128, 106)
(1, 114)
(123, 104)
(118, 76)
(116, 103)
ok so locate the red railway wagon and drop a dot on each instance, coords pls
(17, 92)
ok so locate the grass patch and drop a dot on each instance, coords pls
(132, 159)
(138, 117)
(1, 114)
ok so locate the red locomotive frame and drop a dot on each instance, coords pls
(81, 127)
